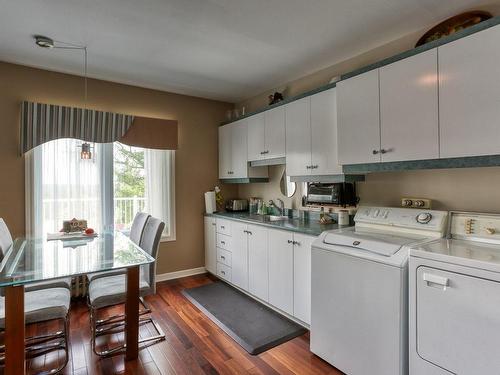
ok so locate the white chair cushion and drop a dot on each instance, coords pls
(56, 283)
(42, 305)
(109, 291)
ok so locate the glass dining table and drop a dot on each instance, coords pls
(32, 260)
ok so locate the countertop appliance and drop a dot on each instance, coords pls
(455, 299)
(359, 289)
(237, 205)
(341, 194)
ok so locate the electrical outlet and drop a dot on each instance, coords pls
(416, 203)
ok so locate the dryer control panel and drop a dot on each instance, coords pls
(468, 225)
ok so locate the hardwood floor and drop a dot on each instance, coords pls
(193, 345)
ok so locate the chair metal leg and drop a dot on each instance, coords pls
(116, 324)
(41, 345)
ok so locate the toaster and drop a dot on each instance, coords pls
(237, 205)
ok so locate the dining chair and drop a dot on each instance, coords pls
(5, 245)
(111, 290)
(135, 235)
(43, 306)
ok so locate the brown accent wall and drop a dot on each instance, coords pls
(196, 157)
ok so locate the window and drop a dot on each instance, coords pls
(107, 190)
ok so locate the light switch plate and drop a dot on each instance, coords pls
(416, 203)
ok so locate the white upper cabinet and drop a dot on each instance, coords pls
(324, 160)
(298, 137)
(275, 133)
(409, 108)
(311, 135)
(256, 136)
(358, 115)
(225, 152)
(233, 155)
(239, 149)
(266, 134)
(469, 95)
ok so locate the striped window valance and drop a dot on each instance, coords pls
(42, 123)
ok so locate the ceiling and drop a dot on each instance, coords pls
(221, 49)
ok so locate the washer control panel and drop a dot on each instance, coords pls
(402, 217)
(475, 225)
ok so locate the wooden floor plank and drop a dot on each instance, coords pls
(194, 345)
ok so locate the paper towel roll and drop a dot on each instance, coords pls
(210, 206)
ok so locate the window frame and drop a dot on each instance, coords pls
(32, 174)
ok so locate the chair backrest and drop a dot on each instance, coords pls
(150, 242)
(138, 227)
(5, 239)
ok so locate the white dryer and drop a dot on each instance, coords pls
(455, 299)
(359, 311)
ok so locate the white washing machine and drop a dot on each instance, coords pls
(359, 315)
(455, 299)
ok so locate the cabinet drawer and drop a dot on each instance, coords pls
(224, 241)
(224, 257)
(224, 227)
(223, 271)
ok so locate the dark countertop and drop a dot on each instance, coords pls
(298, 225)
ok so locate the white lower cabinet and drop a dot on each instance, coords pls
(210, 245)
(281, 270)
(240, 255)
(302, 277)
(271, 264)
(258, 262)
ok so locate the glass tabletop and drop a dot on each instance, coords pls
(33, 260)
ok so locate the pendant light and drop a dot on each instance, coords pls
(46, 42)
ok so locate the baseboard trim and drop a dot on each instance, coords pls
(179, 274)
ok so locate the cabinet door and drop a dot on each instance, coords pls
(302, 277)
(358, 119)
(281, 270)
(275, 133)
(469, 95)
(256, 137)
(210, 246)
(324, 133)
(298, 137)
(239, 149)
(225, 151)
(239, 259)
(258, 262)
(409, 108)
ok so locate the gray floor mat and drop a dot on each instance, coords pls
(254, 326)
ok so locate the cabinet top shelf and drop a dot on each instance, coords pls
(403, 55)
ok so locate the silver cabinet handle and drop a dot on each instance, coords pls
(250, 233)
(222, 257)
(245, 231)
(383, 151)
(314, 166)
(308, 166)
(222, 227)
(264, 152)
(223, 272)
(375, 152)
(296, 243)
(290, 241)
(223, 242)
